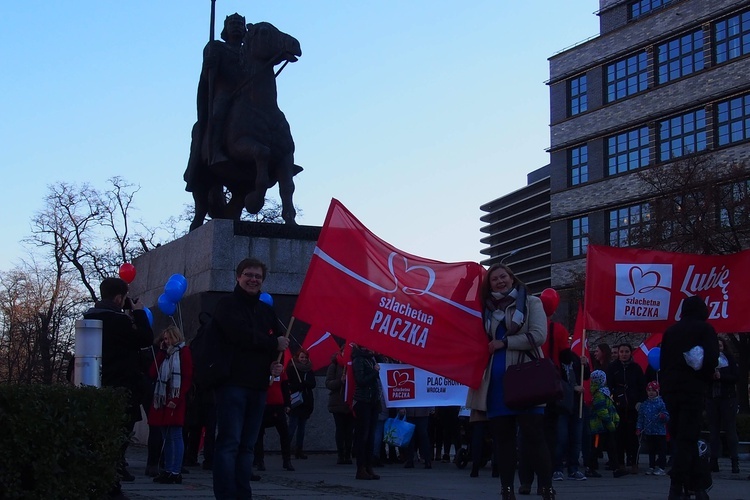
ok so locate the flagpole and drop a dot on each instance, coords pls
(583, 344)
(281, 354)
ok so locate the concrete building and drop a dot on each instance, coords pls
(518, 228)
(665, 81)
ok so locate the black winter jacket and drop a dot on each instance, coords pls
(248, 329)
(678, 380)
(627, 383)
(366, 377)
(123, 337)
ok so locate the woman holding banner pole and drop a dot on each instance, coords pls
(509, 314)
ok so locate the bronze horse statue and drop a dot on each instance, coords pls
(256, 145)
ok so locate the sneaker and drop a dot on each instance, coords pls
(558, 476)
(577, 476)
(658, 471)
(650, 471)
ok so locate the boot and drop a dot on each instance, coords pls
(371, 473)
(701, 495)
(288, 465)
(548, 493)
(299, 454)
(348, 458)
(675, 492)
(506, 493)
(362, 474)
(340, 460)
(735, 466)
(474, 470)
(524, 489)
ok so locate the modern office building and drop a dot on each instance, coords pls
(518, 228)
(664, 81)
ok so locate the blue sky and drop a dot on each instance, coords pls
(412, 113)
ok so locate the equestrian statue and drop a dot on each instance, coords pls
(241, 143)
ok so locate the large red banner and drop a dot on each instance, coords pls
(638, 290)
(415, 310)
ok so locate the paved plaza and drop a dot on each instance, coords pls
(320, 478)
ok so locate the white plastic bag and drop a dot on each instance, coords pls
(694, 357)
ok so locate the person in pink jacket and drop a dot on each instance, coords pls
(173, 370)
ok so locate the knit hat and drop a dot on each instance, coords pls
(653, 386)
(598, 378)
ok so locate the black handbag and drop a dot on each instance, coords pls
(532, 383)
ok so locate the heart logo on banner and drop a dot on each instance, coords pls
(400, 378)
(643, 282)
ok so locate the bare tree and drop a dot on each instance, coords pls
(38, 309)
(87, 229)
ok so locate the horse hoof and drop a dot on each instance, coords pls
(254, 202)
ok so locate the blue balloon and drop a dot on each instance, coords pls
(266, 297)
(654, 356)
(174, 290)
(182, 280)
(149, 315)
(166, 305)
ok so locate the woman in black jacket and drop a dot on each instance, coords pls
(721, 407)
(628, 385)
(366, 408)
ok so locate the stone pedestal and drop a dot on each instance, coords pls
(208, 257)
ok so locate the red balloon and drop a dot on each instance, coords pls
(127, 272)
(550, 300)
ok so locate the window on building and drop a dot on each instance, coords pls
(627, 76)
(579, 236)
(629, 225)
(641, 7)
(733, 120)
(579, 165)
(735, 205)
(682, 135)
(577, 97)
(679, 57)
(732, 37)
(627, 151)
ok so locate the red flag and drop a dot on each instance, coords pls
(287, 358)
(639, 290)
(640, 355)
(579, 344)
(320, 345)
(419, 311)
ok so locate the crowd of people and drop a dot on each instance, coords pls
(611, 406)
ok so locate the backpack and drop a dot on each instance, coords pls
(210, 363)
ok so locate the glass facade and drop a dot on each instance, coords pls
(577, 97)
(641, 7)
(732, 37)
(579, 236)
(627, 76)
(628, 225)
(679, 57)
(579, 165)
(733, 120)
(682, 135)
(627, 151)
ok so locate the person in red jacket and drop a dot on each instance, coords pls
(173, 371)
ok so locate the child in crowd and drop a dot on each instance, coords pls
(603, 422)
(652, 423)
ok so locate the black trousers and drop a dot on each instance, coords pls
(534, 450)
